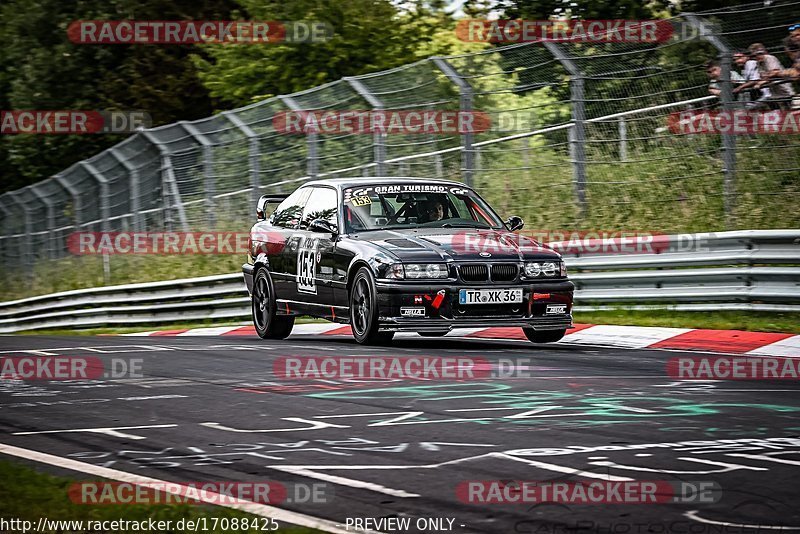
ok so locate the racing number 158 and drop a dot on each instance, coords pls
(306, 267)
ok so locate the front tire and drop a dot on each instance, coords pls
(268, 324)
(364, 310)
(544, 336)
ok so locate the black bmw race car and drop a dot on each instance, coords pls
(390, 255)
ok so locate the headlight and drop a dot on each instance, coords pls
(417, 271)
(549, 269)
(532, 269)
(426, 270)
(395, 272)
(563, 269)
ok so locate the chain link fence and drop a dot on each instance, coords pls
(579, 141)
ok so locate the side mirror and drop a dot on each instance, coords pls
(261, 205)
(514, 223)
(322, 226)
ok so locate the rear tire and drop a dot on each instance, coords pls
(544, 336)
(268, 324)
(440, 333)
(364, 310)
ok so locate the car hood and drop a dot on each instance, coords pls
(457, 244)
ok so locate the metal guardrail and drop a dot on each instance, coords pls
(754, 270)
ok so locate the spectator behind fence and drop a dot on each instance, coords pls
(748, 91)
(770, 70)
(714, 71)
(792, 47)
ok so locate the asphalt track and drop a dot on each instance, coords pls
(212, 409)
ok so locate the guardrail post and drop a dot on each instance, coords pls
(465, 93)
(623, 139)
(728, 101)
(133, 183)
(208, 169)
(254, 154)
(312, 161)
(51, 221)
(169, 186)
(378, 138)
(577, 140)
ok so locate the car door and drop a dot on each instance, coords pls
(286, 221)
(314, 260)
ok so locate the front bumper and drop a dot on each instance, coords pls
(395, 299)
(247, 270)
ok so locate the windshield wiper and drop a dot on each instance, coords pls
(463, 225)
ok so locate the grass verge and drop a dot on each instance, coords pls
(28, 495)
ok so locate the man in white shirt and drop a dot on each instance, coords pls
(748, 91)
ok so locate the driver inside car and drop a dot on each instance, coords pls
(433, 210)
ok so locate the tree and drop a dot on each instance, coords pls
(368, 36)
(42, 70)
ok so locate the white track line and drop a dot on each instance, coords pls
(259, 509)
(695, 515)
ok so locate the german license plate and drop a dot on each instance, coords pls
(490, 296)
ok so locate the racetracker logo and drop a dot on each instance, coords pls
(91, 243)
(409, 368)
(564, 241)
(733, 368)
(380, 121)
(377, 367)
(587, 492)
(737, 122)
(576, 31)
(69, 368)
(61, 122)
(207, 492)
(174, 32)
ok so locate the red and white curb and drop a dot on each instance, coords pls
(633, 337)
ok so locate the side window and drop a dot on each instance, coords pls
(322, 204)
(287, 214)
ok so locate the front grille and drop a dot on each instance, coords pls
(504, 272)
(474, 273)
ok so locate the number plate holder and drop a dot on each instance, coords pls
(506, 295)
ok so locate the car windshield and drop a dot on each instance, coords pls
(409, 205)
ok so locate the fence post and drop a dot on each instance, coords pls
(728, 104)
(27, 253)
(254, 154)
(76, 199)
(378, 138)
(208, 170)
(169, 186)
(6, 239)
(465, 92)
(104, 203)
(312, 161)
(578, 131)
(51, 220)
(133, 183)
(623, 139)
